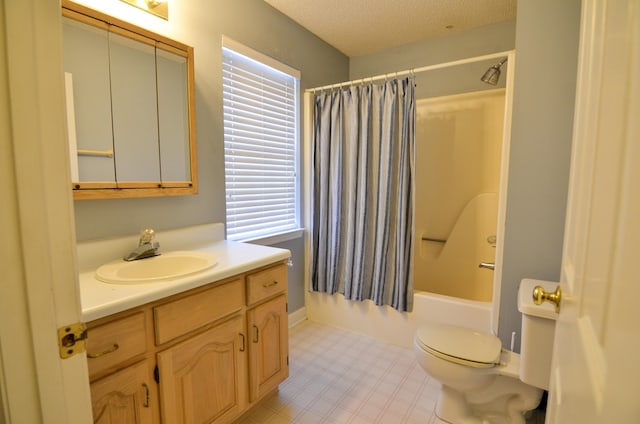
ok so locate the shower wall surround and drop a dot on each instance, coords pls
(458, 152)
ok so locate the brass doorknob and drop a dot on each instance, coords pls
(539, 296)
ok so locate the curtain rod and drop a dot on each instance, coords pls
(416, 70)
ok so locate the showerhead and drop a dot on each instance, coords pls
(493, 74)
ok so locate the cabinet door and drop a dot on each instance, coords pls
(86, 58)
(123, 397)
(134, 108)
(173, 115)
(269, 347)
(203, 379)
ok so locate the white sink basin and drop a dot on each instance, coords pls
(165, 267)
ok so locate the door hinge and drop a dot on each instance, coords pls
(156, 374)
(71, 339)
(286, 307)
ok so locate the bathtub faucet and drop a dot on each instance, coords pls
(488, 265)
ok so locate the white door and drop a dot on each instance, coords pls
(595, 375)
(38, 289)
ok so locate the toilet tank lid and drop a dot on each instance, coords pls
(460, 342)
(525, 299)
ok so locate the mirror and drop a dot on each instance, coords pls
(130, 108)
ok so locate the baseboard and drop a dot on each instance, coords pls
(297, 316)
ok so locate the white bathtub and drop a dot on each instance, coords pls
(391, 326)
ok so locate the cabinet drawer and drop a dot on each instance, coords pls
(114, 342)
(189, 313)
(266, 283)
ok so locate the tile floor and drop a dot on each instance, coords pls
(337, 376)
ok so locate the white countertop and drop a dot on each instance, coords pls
(100, 299)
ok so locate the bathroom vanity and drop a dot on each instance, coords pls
(202, 348)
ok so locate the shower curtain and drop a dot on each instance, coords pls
(363, 157)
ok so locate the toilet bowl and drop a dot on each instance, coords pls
(481, 382)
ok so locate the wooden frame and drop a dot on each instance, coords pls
(125, 189)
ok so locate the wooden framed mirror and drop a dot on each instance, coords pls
(130, 108)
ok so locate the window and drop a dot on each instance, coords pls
(260, 143)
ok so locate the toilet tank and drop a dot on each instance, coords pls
(538, 331)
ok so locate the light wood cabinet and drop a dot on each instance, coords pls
(202, 379)
(196, 310)
(269, 347)
(123, 397)
(204, 356)
(116, 342)
(266, 283)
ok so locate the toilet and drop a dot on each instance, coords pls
(481, 382)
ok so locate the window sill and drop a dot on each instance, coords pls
(277, 238)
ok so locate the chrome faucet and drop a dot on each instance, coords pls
(146, 247)
(488, 265)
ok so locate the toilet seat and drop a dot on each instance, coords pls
(460, 345)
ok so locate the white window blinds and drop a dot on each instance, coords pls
(260, 145)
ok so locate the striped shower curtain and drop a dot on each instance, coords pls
(363, 193)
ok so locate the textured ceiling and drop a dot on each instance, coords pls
(360, 27)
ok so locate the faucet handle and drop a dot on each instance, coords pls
(488, 265)
(146, 236)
